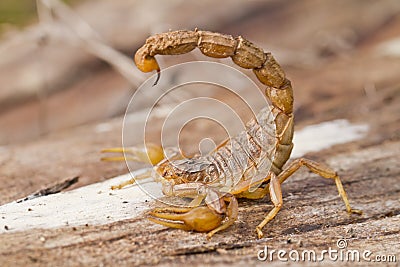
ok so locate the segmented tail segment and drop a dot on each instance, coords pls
(244, 54)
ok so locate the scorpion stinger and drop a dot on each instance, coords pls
(158, 77)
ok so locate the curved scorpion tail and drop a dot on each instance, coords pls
(244, 54)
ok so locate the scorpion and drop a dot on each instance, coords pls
(249, 165)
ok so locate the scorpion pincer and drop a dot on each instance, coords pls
(249, 165)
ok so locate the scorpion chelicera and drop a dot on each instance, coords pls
(249, 165)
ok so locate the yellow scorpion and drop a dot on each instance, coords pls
(250, 165)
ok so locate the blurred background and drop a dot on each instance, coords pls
(66, 70)
(66, 77)
(54, 76)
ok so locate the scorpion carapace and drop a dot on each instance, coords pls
(254, 159)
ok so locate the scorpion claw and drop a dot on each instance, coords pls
(152, 153)
(169, 224)
(200, 219)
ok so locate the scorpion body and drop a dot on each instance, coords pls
(249, 165)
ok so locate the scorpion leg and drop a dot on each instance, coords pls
(259, 193)
(321, 170)
(246, 189)
(276, 198)
(133, 180)
(275, 188)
